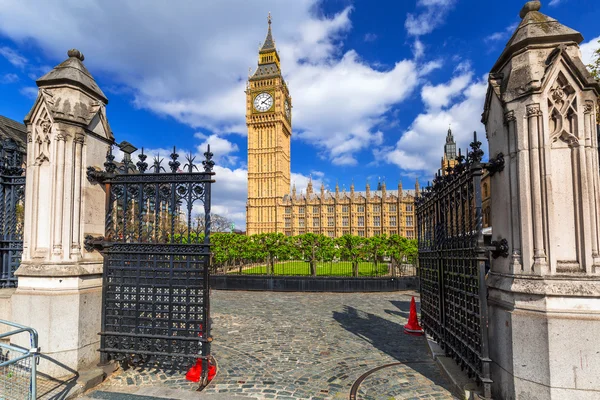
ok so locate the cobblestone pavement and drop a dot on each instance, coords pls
(309, 346)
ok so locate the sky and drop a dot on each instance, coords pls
(375, 84)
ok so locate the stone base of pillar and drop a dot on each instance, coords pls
(542, 333)
(64, 304)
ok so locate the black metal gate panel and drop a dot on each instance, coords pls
(452, 260)
(156, 261)
(12, 203)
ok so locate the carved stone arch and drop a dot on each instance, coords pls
(563, 111)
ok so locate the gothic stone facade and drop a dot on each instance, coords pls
(367, 213)
(271, 207)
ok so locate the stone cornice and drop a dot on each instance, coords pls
(558, 285)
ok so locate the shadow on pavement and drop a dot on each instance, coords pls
(389, 337)
(50, 388)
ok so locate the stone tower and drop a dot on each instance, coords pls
(269, 121)
(449, 159)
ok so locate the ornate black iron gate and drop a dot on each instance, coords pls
(452, 260)
(12, 202)
(156, 261)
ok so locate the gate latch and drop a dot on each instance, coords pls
(92, 243)
(499, 248)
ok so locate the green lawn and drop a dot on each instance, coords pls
(302, 268)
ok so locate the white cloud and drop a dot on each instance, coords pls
(433, 14)
(13, 57)
(220, 147)
(418, 49)
(554, 3)
(502, 35)
(29, 92)
(421, 147)
(587, 50)
(370, 37)
(439, 96)
(9, 78)
(230, 192)
(301, 182)
(189, 60)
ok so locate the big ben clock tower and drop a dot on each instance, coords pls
(269, 121)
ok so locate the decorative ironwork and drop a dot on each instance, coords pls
(156, 262)
(12, 203)
(452, 265)
(495, 164)
(499, 248)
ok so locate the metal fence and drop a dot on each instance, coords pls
(12, 197)
(452, 260)
(322, 268)
(17, 364)
(155, 308)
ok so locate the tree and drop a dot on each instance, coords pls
(352, 248)
(314, 247)
(270, 247)
(218, 223)
(376, 248)
(594, 68)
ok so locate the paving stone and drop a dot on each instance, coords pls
(309, 346)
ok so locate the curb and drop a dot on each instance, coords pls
(89, 378)
(462, 386)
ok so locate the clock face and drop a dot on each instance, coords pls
(263, 102)
(287, 109)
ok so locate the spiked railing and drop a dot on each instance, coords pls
(452, 262)
(155, 260)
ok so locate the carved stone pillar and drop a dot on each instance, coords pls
(59, 286)
(516, 263)
(59, 193)
(77, 187)
(537, 173)
(544, 301)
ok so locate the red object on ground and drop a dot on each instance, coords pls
(413, 327)
(195, 372)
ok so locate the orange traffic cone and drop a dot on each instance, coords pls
(413, 327)
(195, 372)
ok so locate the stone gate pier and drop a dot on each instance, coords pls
(59, 283)
(544, 299)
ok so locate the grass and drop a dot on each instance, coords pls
(302, 268)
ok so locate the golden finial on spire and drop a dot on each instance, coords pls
(269, 18)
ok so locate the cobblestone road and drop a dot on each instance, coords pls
(310, 346)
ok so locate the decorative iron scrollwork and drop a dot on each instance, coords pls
(91, 243)
(96, 176)
(495, 164)
(499, 248)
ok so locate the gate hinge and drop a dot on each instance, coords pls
(96, 176)
(499, 248)
(92, 243)
(495, 164)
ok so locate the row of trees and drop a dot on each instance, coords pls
(236, 251)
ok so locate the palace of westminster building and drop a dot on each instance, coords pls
(271, 207)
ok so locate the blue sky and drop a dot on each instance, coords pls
(375, 84)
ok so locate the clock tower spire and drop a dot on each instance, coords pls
(269, 121)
